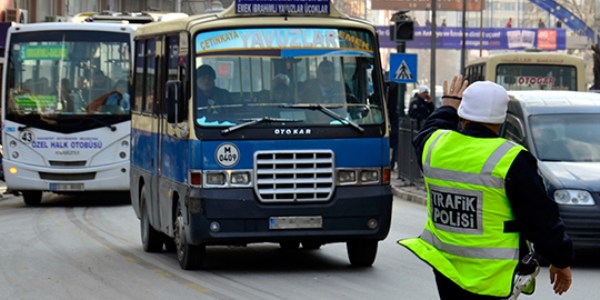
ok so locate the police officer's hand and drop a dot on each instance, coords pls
(453, 92)
(560, 278)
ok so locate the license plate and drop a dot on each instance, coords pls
(296, 222)
(66, 187)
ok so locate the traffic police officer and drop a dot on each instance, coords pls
(485, 199)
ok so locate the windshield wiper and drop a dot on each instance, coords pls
(325, 110)
(252, 121)
(112, 127)
(21, 128)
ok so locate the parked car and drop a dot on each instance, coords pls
(562, 130)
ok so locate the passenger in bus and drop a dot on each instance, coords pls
(208, 94)
(100, 84)
(324, 89)
(63, 93)
(280, 88)
(83, 85)
(43, 86)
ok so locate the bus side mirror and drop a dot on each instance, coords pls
(174, 99)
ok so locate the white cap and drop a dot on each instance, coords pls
(484, 102)
(423, 89)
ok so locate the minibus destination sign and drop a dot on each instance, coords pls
(279, 7)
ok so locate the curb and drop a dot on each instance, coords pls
(410, 193)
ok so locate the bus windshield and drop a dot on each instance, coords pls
(58, 76)
(270, 76)
(537, 77)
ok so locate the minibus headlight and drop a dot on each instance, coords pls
(215, 178)
(240, 178)
(12, 143)
(346, 176)
(369, 176)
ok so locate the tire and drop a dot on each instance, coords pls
(32, 198)
(289, 246)
(152, 240)
(190, 257)
(311, 245)
(362, 253)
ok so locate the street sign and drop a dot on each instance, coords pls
(442, 5)
(403, 67)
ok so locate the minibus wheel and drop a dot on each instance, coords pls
(362, 253)
(151, 239)
(190, 257)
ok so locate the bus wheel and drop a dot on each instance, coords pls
(151, 239)
(190, 257)
(32, 198)
(362, 253)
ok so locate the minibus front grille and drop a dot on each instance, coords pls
(294, 176)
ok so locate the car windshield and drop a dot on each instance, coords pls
(566, 137)
(322, 76)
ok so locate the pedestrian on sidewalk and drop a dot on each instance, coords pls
(486, 201)
(421, 106)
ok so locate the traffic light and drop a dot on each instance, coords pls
(404, 30)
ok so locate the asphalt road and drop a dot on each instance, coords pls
(88, 247)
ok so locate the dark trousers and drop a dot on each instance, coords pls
(449, 290)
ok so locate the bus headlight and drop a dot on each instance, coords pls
(124, 143)
(573, 197)
(14, 154)
(346, 176)
(240, 178)
(215, 178)
(369, 176)
(122, 154)
(12, 143)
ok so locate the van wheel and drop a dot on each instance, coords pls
(151, 239)
(190, 257)
(32, 198)
(362, 253)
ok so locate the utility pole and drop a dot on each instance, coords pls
(463, 46)
(432, 64)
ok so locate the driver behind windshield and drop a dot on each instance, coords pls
(208, 94)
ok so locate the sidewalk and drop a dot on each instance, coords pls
(406, 191)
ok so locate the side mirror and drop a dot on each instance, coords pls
(174, 100)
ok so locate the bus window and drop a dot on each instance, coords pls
(536, 77)
(530, 71)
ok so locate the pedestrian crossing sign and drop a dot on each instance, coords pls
(403, 67)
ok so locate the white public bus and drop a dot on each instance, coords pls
(65, 108)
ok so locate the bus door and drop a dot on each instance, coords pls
(151, 109)
(171, 140)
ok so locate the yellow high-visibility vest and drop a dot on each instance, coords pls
(464, 237)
